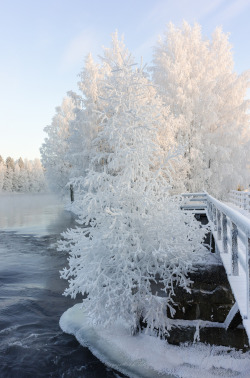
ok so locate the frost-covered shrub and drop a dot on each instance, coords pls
(132, 232)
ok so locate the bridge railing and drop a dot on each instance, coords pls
(194, 201)
(240, 199)
(232, 231)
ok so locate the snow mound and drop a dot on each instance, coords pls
(147, 356)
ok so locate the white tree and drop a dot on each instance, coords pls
(54, 151)
(85, 126)
(2, 172)
(9, 173)
(38, 183)
(196, 79)
(34, 176)
(16, 176)
(133, 232)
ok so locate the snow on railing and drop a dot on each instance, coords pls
(240, 199)
(231, 231)
(194, 201)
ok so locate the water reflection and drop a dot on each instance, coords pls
(33, 214)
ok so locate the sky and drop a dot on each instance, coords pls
(44, 43)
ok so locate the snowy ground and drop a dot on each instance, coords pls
(149, 357)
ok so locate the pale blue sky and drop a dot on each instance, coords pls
(44, 42)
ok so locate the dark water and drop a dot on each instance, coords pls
(31, 302)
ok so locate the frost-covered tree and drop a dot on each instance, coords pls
(22, 176)
(23, 181)
(9, 173)
(20, 163)
(2, 172)
(54, 150)
(37, 179)
(133, 233)
(16, 177)
(84, 127)
(196, 79)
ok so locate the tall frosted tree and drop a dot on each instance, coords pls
(54, 150)
(85, 126)
(9, 173)
(2, 172)
(37, 179)
(20, 163)
(134, 233)
(16, 178)
(196, 79)
(22, 176)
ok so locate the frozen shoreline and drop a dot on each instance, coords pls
(147, 356)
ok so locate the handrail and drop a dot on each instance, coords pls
(231, 231)
(240, 199)
(202, 194)
(222, 218)
(242, 221)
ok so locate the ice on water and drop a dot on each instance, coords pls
(147, 356)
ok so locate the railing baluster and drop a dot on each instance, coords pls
(228, 225)
(248, 276)
(224, 231)
(209, 210)
(235, 257)
(215, 218)
(240, 199)
(219, 224)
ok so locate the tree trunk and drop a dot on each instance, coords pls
(71, 192)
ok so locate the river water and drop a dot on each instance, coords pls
(31, 302)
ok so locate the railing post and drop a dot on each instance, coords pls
(219, 224)
(224, 232)
(245, 200)
(214, 218)
(248, 276)
(208, 210)
(211, 211)
(235, 257)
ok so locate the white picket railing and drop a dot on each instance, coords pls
(240, 199)
(231, 231)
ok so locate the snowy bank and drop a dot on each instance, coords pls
(147, 356)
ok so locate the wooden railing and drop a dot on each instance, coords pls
(240, 199)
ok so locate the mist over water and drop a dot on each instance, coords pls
(31, 302)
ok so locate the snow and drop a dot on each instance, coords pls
(240, 282)
(237, 208)
(235, 216)
(231, 315)
(147, 356)
(194, 74)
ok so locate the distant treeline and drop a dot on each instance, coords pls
(21, 175)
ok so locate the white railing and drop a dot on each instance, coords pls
(231, 231)
(240, 199)
(194, 201)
